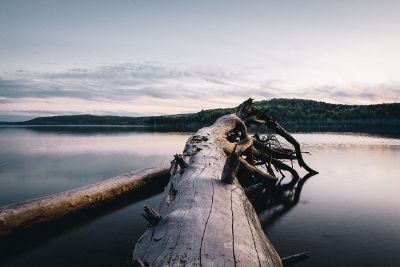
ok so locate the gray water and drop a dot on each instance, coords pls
(347, 215)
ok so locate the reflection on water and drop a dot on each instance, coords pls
(77, 240)
(34, 164)
(274, 203)
(347, 215)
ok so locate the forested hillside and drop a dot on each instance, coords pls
(282, 110)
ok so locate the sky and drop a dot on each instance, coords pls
(136, 57)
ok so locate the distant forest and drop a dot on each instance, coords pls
(285, 111)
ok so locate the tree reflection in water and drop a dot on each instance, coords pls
(279, 199)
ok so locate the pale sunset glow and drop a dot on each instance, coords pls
(139, 58)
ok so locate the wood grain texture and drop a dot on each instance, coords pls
(208, 223)
(52, 207)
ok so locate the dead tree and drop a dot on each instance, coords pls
(205, 217)
(53, 207)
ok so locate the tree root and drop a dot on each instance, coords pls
(250, 115)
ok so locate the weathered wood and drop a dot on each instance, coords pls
(252, 115)
(151, 216)
(231, 168)
(282, 132)
(207, 222)
(274, 153)
(45, 209)
(256, 171)
(277, 163)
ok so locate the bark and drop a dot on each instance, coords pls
(45, 209)
(206, 217)
(207, 221)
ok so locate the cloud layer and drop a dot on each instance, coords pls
(151, 89)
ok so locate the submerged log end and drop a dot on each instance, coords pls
(293, 259)
(139, 263)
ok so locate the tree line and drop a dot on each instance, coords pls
(282, 110)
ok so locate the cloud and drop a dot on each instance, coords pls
(112, 82)
(151, 89)
(356, 93)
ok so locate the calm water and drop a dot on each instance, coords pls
(348, 215)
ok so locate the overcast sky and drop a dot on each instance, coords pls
(128, 57)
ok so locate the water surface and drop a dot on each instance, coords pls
(347, 215)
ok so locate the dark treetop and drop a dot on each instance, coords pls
(286, 111)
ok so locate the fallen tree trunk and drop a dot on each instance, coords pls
(45, 209)
(205, 221)
(205, 217)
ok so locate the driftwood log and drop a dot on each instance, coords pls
(205, 217)
(45, 209)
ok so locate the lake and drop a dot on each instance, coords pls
(347, 215)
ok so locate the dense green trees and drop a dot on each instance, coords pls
(282, 110)
(298, 110)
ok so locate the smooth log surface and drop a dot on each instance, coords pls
(204, 220)
(45, 209)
